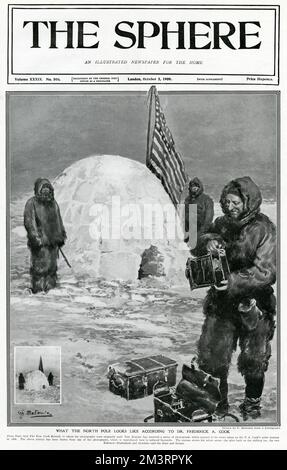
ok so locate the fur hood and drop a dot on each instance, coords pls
(250, 195)
(198, 183)
(39, 183)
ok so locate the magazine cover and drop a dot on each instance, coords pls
(142, 155)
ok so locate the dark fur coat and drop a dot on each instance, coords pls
(42, 220)
(250, 244)
(205, 208)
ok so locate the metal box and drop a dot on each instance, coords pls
(136, 378)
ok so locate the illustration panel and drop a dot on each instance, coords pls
(143, 244)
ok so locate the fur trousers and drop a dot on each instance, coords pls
(222, 330)
(44, 268)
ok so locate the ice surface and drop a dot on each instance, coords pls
(97, 322)
(20, 231)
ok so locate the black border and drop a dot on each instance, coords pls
(278, 287)
(12, 7)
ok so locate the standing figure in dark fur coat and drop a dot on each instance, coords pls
(204, 208)
(46, 233)
(21, 381)
(243, 310)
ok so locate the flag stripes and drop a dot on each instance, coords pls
(162, 158)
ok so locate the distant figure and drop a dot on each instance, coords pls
(46, 233)
(205, 208)
(50, 378)
(21, 381)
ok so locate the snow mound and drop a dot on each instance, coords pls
(36, 380)
(113, 210)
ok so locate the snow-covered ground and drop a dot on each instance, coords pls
(51, 394)
(97, 323)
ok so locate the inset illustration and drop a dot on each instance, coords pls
(37, 374)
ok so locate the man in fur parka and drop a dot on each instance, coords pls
(45, 233)
(241, 311)
(204, 207)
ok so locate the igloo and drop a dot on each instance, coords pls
(36, 380)
(114, 209)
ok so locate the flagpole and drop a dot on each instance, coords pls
(151, 94)
(161, 156)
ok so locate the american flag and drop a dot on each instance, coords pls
(162, 158)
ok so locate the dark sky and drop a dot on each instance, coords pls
(219, 135)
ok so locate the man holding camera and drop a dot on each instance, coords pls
(241, 309)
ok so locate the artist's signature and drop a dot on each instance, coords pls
(34, 413)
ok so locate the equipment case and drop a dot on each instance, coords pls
(136, 378)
